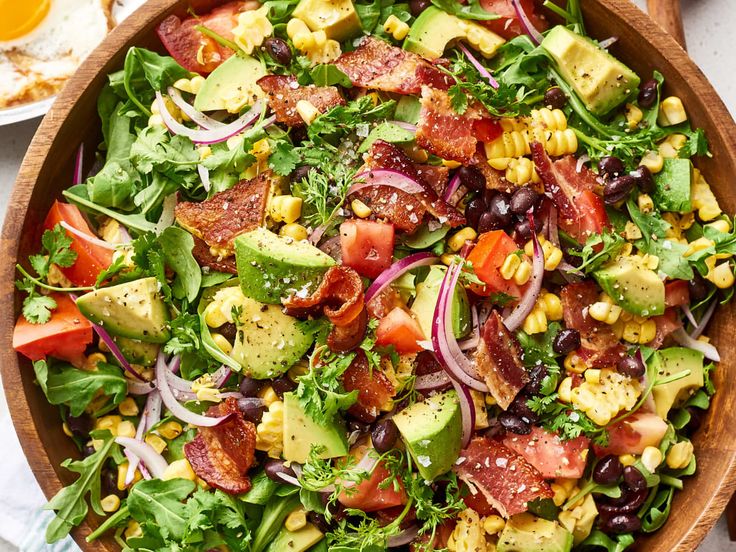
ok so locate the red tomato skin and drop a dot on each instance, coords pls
(367, 246)
(591, 217)
(508, 25)
(487, 257)
(91, 259)
(65, 336)
(399, 329)
(551, 456)
(633, 434)
(676, 293)
(369, 497)
(479, 503)
(487, 130)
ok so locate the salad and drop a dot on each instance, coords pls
(364, 275)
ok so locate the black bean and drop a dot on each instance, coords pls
(80, 426)
(520, 408)
(274, 467)
(301, 172)
(524, 230)
(696, 420)
(487, 222)
(610, 167)
(608, 470)
(252, 409)
(384, 435)
(631, 366)
(634, 479)
(500, 208)
(643, 178)
(474, 210)
(278, 49)
(283, 385)
(622, 523)
(250, 387)
(698, 288)
(514, 424)
(618, 189)
(360, 427)
(88, 450)
(418, 6)
(524, 199)
(648, 93)
(228, 330)
(536, 375)
(555, 98)
(110, 483)
(319, 521)
(472, 178)
(566, 341)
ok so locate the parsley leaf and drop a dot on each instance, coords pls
(158, 506)
(566, 420)
(283, 159)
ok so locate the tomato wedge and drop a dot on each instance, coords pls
(367, 246)
(369, 496)
(399, 329)
(487, 257)
(552, 456)
(676, 293)
(633, 434)
(65, 336)
(91, 258)
(508, 24)
(487, 130)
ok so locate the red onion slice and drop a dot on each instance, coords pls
(221, 376)
(526, 23)
(526, 304)
(385, 177)
(290, 479)
(168, 214)
(710, 352)
(404, 537)
(689, 315)
(467, 411)
(153, 410)
(396, 270)
(606, 44)
(404, 125)
(485, 73)
(78, 165)
(86, 237)
(153, 460)
(452, 187)
(198, 117)
(316, 234)
(582, 160)
(140, 388)
(204, 176)
(115, 350)
(704, 321)
(134, 460)
(432, 382)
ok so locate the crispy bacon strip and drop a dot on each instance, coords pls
(504, 477)
(222, 455)
(284, 92)
(204, 257)
(377, 65)
(495, 179)
(498, 359)
(375, 391)
(226, 215)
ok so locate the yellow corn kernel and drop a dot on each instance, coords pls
(627, 459)
(289, 208)
(500, 163)
(91, 362)
(170, 430)
(133, 530)
(551, 305)
(66, 430)
(650, 261)
(680, 455)
(560, 494)
(457, 241)
(360, 209)
(722, 275)
(634, 115)
(521, 171)
(523, 273)
(493, 524)
(396, 27)
(296, 520)
(252, 29)
(671, 112)
(639, 333)
(605, 312)
(179, 469)
(270, 432)
(561, 142)
(294, 230)
(535, 322)
(448, 258)
(552, 254)
(110, 503)
(125, 429)
(196, 83)
(450, 164)
(550, 119)
(123, 472)
(700, 244)
(645, 203)
(156, 442)
(564, 391)
(670, 147)
(481, 413)
(510, 264)
(468, 534)
(268, 395)
(651, 457)
(653, 161)
(128, 407)
(632, 231)
(703, 199)
(110, 423)
(296, 26)
(601, 400)
(508, 145)
(593, 375)
(185, 85)
(722, 225)
(574, 363)
(510, 124)
(222, 343)
(307, 111)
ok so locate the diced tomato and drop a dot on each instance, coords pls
(439, 542)
(508, 24)
(367, 246)
(487, 257)
(479, 503)
(399, 329)
(371, 494)
(590, 218)
(91, 259)
(487, 130)
(676, 293)
(633, 434)
(65, 336)
(375, 391)
(552, 456)
(193, 50)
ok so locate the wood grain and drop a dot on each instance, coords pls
(47, 169)
(668, 14)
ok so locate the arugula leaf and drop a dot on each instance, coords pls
(373, 14)
(599, 249)
(159, 503)
(216, 516)
(177, 246)
(78, 388)
(272, 520)
(69, 503)
(598, 539)
(157, 72)
(472, 10)
(41, 368)
(329, 75)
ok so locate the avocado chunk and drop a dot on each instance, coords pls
(408, 109)
(432, 431)
(271, 267)
(337, 18)
(428, 293)
(634, 287)
(600, 80)
(138, 352)
(231, 86)
(133, 309)
(389, 132)
(672, 186)
(301, 433)
(434, 29)
(528, 533)
(668, 363)
(296, 541)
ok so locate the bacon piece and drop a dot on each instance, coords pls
(222, 455)
(204, 257)
(346, 338)
(227, 214)
(498, 359)
(495, 179)
(503, 476)
(377, 65)
(442, 131)
(666, 324)
(284, 92)
(375, 391)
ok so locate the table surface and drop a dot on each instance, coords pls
(708, 24)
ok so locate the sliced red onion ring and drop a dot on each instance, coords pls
(396, 270)
(406, 126)
(689, 315)
(86, 237)
(316, 234)
(204, 176)
(452, 187)
(479, 67)
(153, 460)
(606, 44)
(526, 304)
(221, 376)
(153, 409)
(140, 388)
(467, 411)
(432, 382)
(168, 214)
(526, 23)
(404, 537)
(115, 350)
(78, 164)
(582, 160)
(472, 341)
(704, 321)
(178, 410)
(198, 117)
(385, 177)
(134, 460)
(290, 479)
(214, 136)
(710, 352)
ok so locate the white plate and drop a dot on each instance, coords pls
(120, 10)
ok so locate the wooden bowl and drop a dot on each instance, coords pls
(48, 167)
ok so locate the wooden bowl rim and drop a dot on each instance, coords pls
(30, 170)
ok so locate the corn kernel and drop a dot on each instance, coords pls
(179, 469)
(593, 375)
(509, 266)
(627, 459)
(110, 503)
(671, 112)
(128, 407)
(702, 198)
(645, 202)
(296, 520)
(651, 457)
(185, 85)
(700, 244)
(91, 362)
(133, 530)
(560, 494)
(195, 83)
(535, 322)
(156, 442)
(448, 258)
(270, 432)
(722, 275)
(574, 363)
(126, 429)
(601, 400)
(551, 305)
(493, 524)
(632, 231)
(110, 423)
(170, 430)
(56, 278)
(722, 225)
(457, 241)
(123, 472)
(670, 147)
(680, 455)
(653, 161)
(360, 209)
(66, 430)
(285, 208)
(295, 231)
(564, 391)
(634, 115)
(605, 312)
(307, 111)
(523, 273)
(450, 164)
(221, 342)
(296, 26)
(396, 27)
